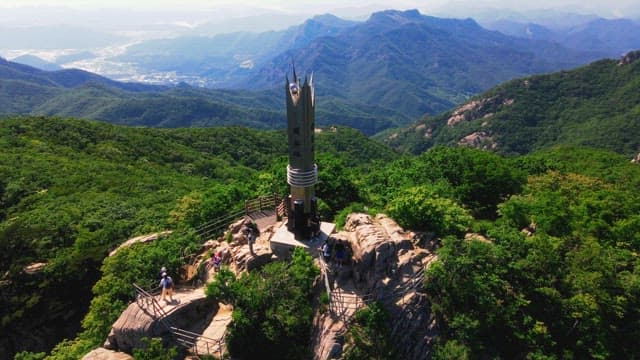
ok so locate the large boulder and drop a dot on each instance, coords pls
(148, 318)
(386, 265)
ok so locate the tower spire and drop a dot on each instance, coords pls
(293, 65)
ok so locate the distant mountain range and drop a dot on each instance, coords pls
(77, 93)
(224, 59)
(597, 105)
(373, 75)
(611, 37)
(37, 62)
(403, 61)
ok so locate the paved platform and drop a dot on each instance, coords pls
(283, 241)
(264, 218)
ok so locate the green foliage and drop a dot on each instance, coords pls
(154, 350)
(341, 218)
(568, 291)
(476, 179)
(451, 350)
(25, 355)
(368, 336)
(71, 349)
(335, 185)
(272, 308)
(421, 208)
(136, 264)
(82, 188)
(592, 106)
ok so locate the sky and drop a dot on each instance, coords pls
(132, 15)
(603, 7)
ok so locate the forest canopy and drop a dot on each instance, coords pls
(551, 272)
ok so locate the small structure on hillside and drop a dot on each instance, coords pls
(303, 223)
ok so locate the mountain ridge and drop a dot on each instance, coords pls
(594, 105)
(433, 51)
(72, 92)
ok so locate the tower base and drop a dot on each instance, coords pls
(283, 241)
(302, 225)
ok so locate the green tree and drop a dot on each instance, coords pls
(368, 336)
(154, 350)
(421, 208)
(25, 355)
(272, 308)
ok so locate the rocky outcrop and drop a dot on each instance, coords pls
(385, 265)
(104, 354)
(479, 139)
(629, 58)
(241, 257)
(190, 310)
(148, 318)
(140, 239)
(477, 109)
(34, 268)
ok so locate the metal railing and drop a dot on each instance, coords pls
(262, 203)
(344, 305)
(216, 227)
(146, 298)
(199, 344)
(196, 343)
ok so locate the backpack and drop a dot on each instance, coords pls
(168, 282)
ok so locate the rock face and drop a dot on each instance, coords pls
(190, 310)
(140, 239)
(104, 354)
(480, 140)
(146, 318)
(629, 58)
(477, 109)
(240, 256)
(385, 265)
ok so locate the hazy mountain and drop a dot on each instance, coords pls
(68, 78)
(523, 30)
(416, 63)
(255, 23)
(224, 58)
(37, 62)
(595, 106)
(551, 19)
(611, 37)
(82, 55)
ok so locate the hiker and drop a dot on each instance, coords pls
(251, 231)
(217, 260)
(326, 250)
(341, 254)
(167, 287)
(162, 271)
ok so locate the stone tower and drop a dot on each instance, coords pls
(302, 172)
